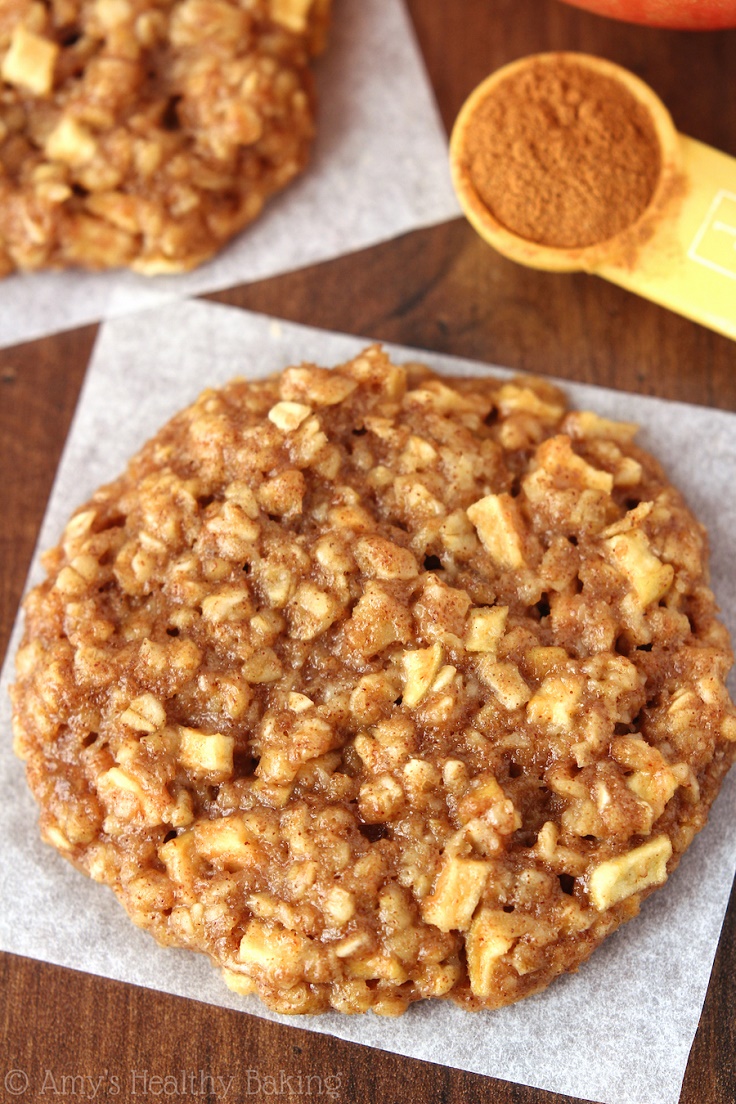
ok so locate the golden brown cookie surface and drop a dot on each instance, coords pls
(146, 133)
(376, 686)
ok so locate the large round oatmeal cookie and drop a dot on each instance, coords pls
(375, 686)
(146, 133)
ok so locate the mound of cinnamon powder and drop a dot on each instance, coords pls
(563, 155)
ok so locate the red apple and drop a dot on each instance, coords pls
(693, 15)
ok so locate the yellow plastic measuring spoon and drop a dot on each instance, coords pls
(680, 253)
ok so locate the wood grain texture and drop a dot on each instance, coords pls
(438, 289)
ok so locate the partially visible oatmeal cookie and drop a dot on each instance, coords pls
(377, 686)
(146, 133)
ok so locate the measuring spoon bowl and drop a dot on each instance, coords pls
(553, 258)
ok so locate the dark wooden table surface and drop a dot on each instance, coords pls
(439, 289)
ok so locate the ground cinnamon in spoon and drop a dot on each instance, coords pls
(562, 155)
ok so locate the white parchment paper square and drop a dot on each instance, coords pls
(378, 169)
(620, 1030)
